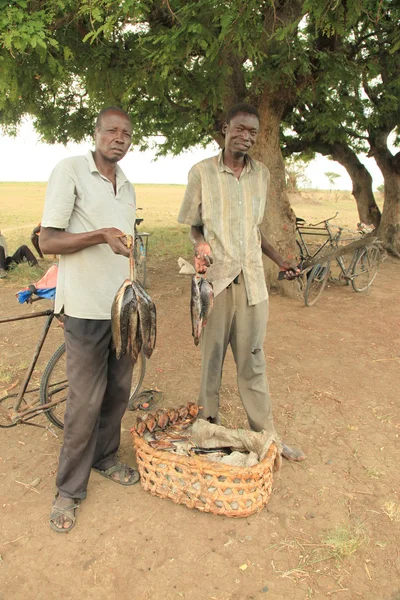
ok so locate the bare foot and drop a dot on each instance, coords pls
(292, 453)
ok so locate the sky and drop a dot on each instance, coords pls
(26, 158)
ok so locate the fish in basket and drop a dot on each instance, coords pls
(205, 466)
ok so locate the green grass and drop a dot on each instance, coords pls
(344, 541)
(22, 206)
(23, 274)
(392, 510)
(170, 241)
(6, 374)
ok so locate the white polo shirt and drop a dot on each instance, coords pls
(80, 199)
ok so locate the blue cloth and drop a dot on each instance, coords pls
(24, 295)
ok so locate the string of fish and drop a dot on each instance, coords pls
(133, 316)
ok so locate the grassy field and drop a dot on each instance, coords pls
(21, 207)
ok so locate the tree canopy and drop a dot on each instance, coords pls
(176, 66)
(354, 107)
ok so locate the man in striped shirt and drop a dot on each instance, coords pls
(224, 204)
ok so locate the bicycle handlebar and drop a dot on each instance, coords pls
(324, 221)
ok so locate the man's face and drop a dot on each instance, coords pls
(241, 133)
(113, 137)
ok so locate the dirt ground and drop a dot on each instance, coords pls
(332, 526)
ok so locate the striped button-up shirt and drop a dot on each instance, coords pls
(230, 211)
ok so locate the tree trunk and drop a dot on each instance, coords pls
(279, 222)
(389, 164)
(368, 210)
(389, 228)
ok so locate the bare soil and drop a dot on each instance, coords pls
(333, 370)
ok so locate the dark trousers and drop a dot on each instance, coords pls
(98, 393)
(23, 253)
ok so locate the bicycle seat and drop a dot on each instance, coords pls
(138, 221)
(300, 220)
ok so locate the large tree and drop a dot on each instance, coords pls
(353, 108)
(175, 65)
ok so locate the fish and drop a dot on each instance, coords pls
(173, 416)
(133, 318)
(206, 298)
(115, 317)
(162, 419)
(151, 423)
(140, 427)
(195, 309)
(135, 340)
(153, 319)
(145, 318)
(128, 312)
(183, 412)
(193, 409)
(162, 445)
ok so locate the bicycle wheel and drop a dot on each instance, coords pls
(138, 373)
(317, 280)
(54, 387)
(54, 384)
(365, 268)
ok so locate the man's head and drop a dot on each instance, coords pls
(113, 134)
(241, 128)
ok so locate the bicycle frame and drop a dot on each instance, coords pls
(18, 416)
(346, 271)
(140, 254)
(306, 230)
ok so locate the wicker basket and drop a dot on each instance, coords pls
(200, 483)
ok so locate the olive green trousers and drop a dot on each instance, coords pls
(233, 322)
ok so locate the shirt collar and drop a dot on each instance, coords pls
(120, 175)
(250, 164)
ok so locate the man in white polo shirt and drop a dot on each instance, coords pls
(89, 205)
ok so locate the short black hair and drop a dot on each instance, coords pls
(243, 107)
(104, 111)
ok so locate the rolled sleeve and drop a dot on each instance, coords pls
(60, 200)
(190, 212)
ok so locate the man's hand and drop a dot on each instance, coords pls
(288, 271)
(202, 257)
(117, 240)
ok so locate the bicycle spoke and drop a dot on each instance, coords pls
(317, 280)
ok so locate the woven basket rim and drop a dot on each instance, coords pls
(203, 463)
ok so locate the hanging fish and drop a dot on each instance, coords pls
(133, 317)
(201, 303)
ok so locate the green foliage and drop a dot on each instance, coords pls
(295, 170)
(356, 84)
(175, 66)
(332, 176)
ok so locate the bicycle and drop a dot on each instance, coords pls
(54, 384)
(140, 254)
(360, 272)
